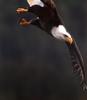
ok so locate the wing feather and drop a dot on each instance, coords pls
(77, 63)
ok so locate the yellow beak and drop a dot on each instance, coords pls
(69, 40)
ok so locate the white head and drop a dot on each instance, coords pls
(35, 2)
(61, 33)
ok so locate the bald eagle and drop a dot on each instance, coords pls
(47, 19)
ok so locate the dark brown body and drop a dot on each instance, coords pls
(48, 17)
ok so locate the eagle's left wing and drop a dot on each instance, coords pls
(77, 63)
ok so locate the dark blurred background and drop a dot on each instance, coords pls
(33, 65)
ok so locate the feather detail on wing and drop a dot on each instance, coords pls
(77, 63)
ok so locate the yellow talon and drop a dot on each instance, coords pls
(21, 10)
(24, 22)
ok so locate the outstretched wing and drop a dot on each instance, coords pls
(77, 63)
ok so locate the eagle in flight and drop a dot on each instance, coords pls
(47, 19)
